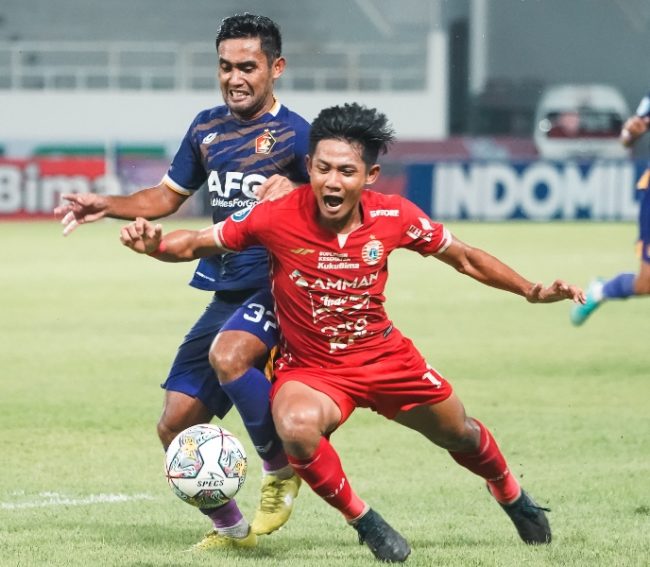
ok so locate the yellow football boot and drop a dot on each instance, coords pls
(215, 540)
(276, 503)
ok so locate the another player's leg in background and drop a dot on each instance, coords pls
(237, 354)
(230, 528)
(304, 418)
(621, 286)
(471, 445)
(625, 284)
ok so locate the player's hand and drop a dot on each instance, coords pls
(633, 129)
(141, 236)
(274, 187)
(79, 209)
(557, 291)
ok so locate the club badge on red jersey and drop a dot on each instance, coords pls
(264, 143)
(372, 252)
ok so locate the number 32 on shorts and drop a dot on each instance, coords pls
(256, 312)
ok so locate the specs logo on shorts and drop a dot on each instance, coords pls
(209, 138)
(264, 143)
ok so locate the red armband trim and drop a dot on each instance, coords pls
(160, 250)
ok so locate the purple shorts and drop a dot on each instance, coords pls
(191, 373)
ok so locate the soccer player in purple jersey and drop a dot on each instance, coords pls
(626, 284)
(248, 149)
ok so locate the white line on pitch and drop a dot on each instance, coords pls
(55, 499)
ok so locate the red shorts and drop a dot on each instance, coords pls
(399, 381)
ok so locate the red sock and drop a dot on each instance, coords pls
(324, 473)
(489, 463)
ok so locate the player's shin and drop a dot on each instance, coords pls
(250, 394)
(619, 287)
(323, 472)
(489, 463)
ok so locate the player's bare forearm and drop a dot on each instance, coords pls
(488, 270)
(491, 271)
(152, 203)
(187, 245)
(143, 237)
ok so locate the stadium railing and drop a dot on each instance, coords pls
(192, 66)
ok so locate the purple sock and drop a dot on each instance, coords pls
(277, 462)
(620, 286)
(225, 516)
(251, 395)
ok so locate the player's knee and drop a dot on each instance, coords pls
(165, 433)
(297, 426)
(228, 364)
(221, 362)
(231, 356)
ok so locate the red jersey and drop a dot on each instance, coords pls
(329, 288)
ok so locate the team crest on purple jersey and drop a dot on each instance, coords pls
(264, 143)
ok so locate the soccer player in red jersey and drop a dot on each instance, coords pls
(329, 243)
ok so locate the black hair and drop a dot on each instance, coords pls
(250, 25)
(353, 123)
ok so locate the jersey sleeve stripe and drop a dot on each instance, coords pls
(217, 233)
(175, 186)
(445, 242)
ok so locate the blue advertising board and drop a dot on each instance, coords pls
(535, 190)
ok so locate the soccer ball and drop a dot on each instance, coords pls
(205, 465)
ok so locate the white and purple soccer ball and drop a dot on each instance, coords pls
(205, 465)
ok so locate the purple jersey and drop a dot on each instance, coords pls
(234, 157)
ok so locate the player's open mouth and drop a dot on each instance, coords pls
(238, 95)
(332, 202)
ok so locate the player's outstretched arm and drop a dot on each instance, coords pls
(489, 270)
(150, 203)
(144, 237)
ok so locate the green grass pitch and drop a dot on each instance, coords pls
(88, 331)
